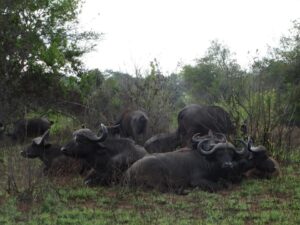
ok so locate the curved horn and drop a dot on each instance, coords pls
(200, 147)
(114, 126)
(220, 135)
(40, 140)
(222, 145)
(257, 149)
(195, 138)
(104, 131)
(244, 144)
(46, 134)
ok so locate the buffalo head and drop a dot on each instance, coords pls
(37, 147)
(217, 149)
(84, 142)
(256, 162)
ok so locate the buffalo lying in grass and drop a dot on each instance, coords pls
(204, 166)
(108, 156)
(255, 162)
(56, 163)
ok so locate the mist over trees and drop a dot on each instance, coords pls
(41, 70)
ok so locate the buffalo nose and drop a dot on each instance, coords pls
(227, 165)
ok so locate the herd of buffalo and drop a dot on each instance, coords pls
(202, 152)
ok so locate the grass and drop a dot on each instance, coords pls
(66, 200)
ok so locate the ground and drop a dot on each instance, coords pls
(37, 199)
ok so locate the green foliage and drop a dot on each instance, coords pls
(39, 43)
(66, 200)
(214, 76)
(266, 98)
(152, 92)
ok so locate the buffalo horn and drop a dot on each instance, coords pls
(216, 147)
(257, 149)
(201, 144)
(223, 136)
(103, 131)
(243, 149)
(196, 138)
(40, 140)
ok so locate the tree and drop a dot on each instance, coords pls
(216, 79)
(211, 79)
(39, 44)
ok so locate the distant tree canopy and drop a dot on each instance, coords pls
(210, 80)
(39, 44)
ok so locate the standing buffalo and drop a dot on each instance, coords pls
(133, 124)
(24, 128)
(56, 163)
(204, 166)
(108, 156)
(194, 119)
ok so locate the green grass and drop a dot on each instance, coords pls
(67, 201)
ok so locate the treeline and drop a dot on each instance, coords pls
(41, 70)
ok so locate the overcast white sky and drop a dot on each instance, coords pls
(137, 31)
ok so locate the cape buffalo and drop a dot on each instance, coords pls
(194, 119)
(256, 163)
(204, 166)
(266, 169)
(56, 163)
(165, 142)
(133, 124)
(24, 128)
(108, 156)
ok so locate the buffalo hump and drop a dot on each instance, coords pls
(194, 119)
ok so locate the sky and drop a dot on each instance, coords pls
(176, 32)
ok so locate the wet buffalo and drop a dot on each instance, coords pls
(194, 119)
(56, 163)
(107, 155)
(34, 127)
(206, 165)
